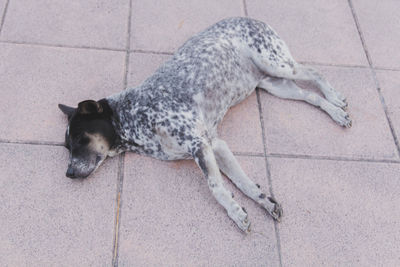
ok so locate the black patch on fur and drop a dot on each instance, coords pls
(262, 196)
(199, 156)
(258, 185)
(272, 200)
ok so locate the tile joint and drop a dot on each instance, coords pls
(268, 172)
(143, 51)
(48, 45)
(118, 204)
(121, 159)
(245, 8)
(373, 71)
(3, 17)
(31, 142)
(331, 158)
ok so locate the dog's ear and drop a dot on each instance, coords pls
(67, 110)
(89, 107)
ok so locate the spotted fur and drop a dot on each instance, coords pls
(174, 114)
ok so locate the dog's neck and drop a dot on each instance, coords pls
(122, 142)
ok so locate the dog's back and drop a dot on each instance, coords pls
(213, 70)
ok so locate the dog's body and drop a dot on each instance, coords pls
(174, 114)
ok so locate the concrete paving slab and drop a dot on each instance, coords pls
(35, 79)
(295, 127)
(142, 66)
(169, 217)
(48, 219)
(77, 23)
(316, 31)
(390, 84)
(241, 127)
(338, 213)
(166, 25)
(380, 25)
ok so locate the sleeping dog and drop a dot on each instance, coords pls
(174, 114)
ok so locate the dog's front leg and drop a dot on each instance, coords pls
(231, 167)
(205, 159)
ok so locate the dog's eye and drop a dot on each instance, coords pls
(98, 158)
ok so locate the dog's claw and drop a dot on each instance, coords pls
(337, 99)
(248, 229)
(346, 105)
(349, 124)
(340, 116)
(277, 211)
(240, 217)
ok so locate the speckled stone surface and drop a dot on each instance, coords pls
(49, 219)
(338, 213)
(166, 25)
(380, 25)
(315, 30)
(169, 217)
(62, 22)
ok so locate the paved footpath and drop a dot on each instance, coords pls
(339, 187)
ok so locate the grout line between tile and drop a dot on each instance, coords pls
(385, 108)
(268, 172)
(121, 159)
(378, 88)
(170, 53)
(236, 153)
(31, 142)
(247, 154)
(309, 157)
(120, 181)
(151, 52)
(128, 46)
(387, 69)
(61, 46)
(334, 65)
(3, 17)
(245, 8)
(360, 33)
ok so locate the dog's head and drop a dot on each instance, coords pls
(89, 136)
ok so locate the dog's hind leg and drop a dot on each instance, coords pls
(230, 166)
(287, 68)
(205, 159)
(288, 89)
(306, 73)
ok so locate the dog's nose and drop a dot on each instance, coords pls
(70, 173)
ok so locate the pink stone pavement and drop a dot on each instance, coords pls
(339, 187)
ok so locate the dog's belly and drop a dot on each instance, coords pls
(213, 104)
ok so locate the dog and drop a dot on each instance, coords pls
(174, 114)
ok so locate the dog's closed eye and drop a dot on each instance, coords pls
(98, 158)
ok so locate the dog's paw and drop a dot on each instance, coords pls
(340, 116)
(240, 217)
(274, 208)
(337, 99)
